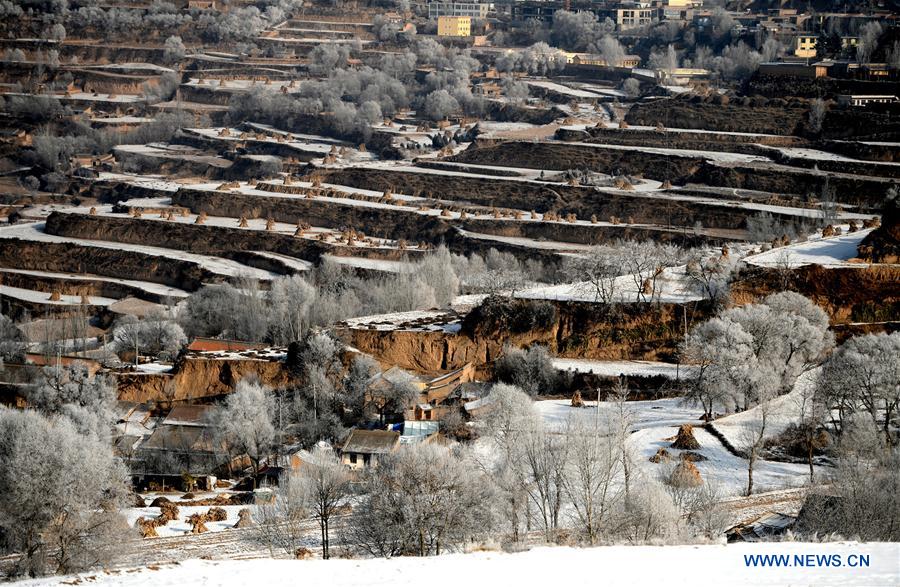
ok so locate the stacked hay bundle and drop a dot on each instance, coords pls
(244, 519)
(685, 440)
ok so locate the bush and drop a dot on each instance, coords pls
(531, 370)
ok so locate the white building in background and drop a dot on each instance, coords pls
(470, 9)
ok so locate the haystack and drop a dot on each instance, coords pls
(85, 299)
(159, 501)
(147, 528)
(242, 222)
(93, 211)
(168, 512)
(577, 402)
(55, 296)
(303, 553)
(198, 523)
(270, 224)
(661, 456)
(244, 519)
(685, 439)
(686, 474)
(216, 515)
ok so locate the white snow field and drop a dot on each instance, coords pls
(42, 297)
(616, 368)
(669, 566)
(783, 411)
(833, 251)
(725, 471)
(642, 414)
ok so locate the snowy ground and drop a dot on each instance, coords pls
(180, 526)
(424, 320)
(641, 414)
(725, 471)
(654, 424)
(834, 251)
(153, 288)
(42, 297)
(673, 286)
(616, 368)
(781, 412)
(671, 566)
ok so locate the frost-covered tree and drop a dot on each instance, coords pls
(226, 310)
(156, 333)
(244, 424)
(423, 501)
(755, 351)
(71, 389)
(531, 370)
(863, 376)
(591, 476)
(598, 269)
(612, 51)
(868, 41)
(325, 483)
(12, 343)
(439, 105)
(817, 110)
(60, 494)
(436, 270)
(173, 49)
(290, 299)
(631, 87)
(543, 461)
(645, 263)
(711, 275)
(356, 383)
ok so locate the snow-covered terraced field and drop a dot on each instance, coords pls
(149, 287)
(370, 264)
(225, 267)
(834, 251)
(42, 297)
(424, 320)
(255, 224)
(673, 286)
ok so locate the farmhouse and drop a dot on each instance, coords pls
(363, 448)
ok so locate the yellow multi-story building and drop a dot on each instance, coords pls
(805, 46)
(454, 26)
